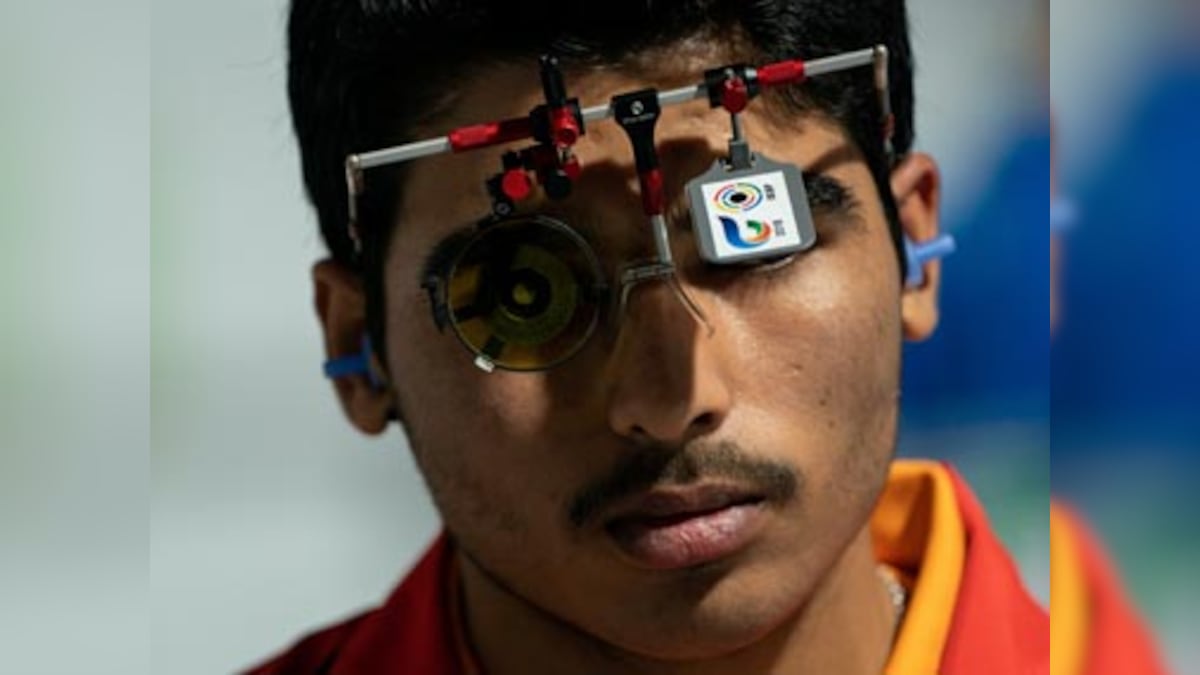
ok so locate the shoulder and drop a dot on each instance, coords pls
(316, 653)
(995, 621)
(411, 632)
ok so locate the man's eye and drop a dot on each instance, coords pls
(772, 263)
(761, 269)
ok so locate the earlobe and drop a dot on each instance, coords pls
(341, 311)
(916, 184)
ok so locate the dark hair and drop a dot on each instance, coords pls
(363, 73)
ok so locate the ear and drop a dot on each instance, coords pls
(916, 184)
(341, 310)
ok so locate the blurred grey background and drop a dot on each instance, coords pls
(74, 335)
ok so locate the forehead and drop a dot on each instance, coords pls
(447, 191)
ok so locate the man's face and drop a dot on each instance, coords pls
(780, 423)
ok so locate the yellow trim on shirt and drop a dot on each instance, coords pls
(917, 528)
(1068, 598)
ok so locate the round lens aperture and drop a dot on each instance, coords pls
(525, 293)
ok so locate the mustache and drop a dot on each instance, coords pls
(663, 466)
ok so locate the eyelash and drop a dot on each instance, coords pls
(437, 262)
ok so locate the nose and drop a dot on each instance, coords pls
(666, 375)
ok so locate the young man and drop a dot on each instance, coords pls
(707, 484)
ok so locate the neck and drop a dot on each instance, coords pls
(845, 626)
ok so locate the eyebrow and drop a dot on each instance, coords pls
(829, 195)
(826, 195)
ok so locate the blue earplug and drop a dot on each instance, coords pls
(919, 253)
(355, 364)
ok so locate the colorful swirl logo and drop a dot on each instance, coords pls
(738, 197)
(760, 232)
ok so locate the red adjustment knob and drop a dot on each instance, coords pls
(516, 184)
(564, 128)
(734, 95)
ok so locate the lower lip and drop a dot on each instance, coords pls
(665, 544)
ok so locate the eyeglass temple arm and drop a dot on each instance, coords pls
(488, 134)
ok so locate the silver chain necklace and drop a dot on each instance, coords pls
(896, 592)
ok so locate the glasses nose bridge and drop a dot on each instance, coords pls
(636, 276)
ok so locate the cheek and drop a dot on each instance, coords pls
(829, 335)
(820, 369)
(475, 435)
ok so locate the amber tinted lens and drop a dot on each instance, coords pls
(525, 294)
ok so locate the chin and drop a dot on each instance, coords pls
(700, 618)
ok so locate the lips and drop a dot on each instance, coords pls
(679, 528)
